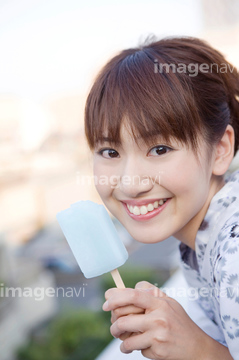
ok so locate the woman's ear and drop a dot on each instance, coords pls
(224, 152)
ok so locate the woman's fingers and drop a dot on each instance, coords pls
(135, 342)
(125, 310)
(130, 323)
(125, 297)
(137, 297)
(125, 335)
(143, 285)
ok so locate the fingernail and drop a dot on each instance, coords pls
(105, 306)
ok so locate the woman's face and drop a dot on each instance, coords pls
(166, 188)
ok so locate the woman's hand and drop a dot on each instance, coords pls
(129, 309)
(158, 326)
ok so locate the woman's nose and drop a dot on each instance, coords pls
(133, 180)
(135, 186)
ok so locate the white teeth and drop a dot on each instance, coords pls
(156, 204)
(144, 209)
(150, 207)
(136, 210)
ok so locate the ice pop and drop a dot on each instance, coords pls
(93, 239)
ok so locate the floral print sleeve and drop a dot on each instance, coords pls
(213, 268)
(227, 270)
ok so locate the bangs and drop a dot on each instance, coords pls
(153, 103)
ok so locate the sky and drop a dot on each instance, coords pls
(51, 47)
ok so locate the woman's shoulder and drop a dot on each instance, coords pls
(224, 230)
(225, 250)
(227, 226)
(226, 261)
(224, 207)
(227, 206)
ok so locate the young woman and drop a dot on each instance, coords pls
(162, 121)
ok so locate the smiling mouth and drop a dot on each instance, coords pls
(146, 212)
(144, 209)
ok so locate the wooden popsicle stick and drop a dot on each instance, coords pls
(117, 279)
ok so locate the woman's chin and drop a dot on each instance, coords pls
(144, 237)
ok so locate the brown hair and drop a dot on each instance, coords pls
(137, 85)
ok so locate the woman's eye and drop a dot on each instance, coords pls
(108, 153)
(160, 150)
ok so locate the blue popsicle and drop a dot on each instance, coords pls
(93, 239)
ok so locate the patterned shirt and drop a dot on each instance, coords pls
(213, 268)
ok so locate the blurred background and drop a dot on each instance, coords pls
(51, 50)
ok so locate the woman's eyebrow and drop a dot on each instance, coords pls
(153, 137)
(111, 140)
